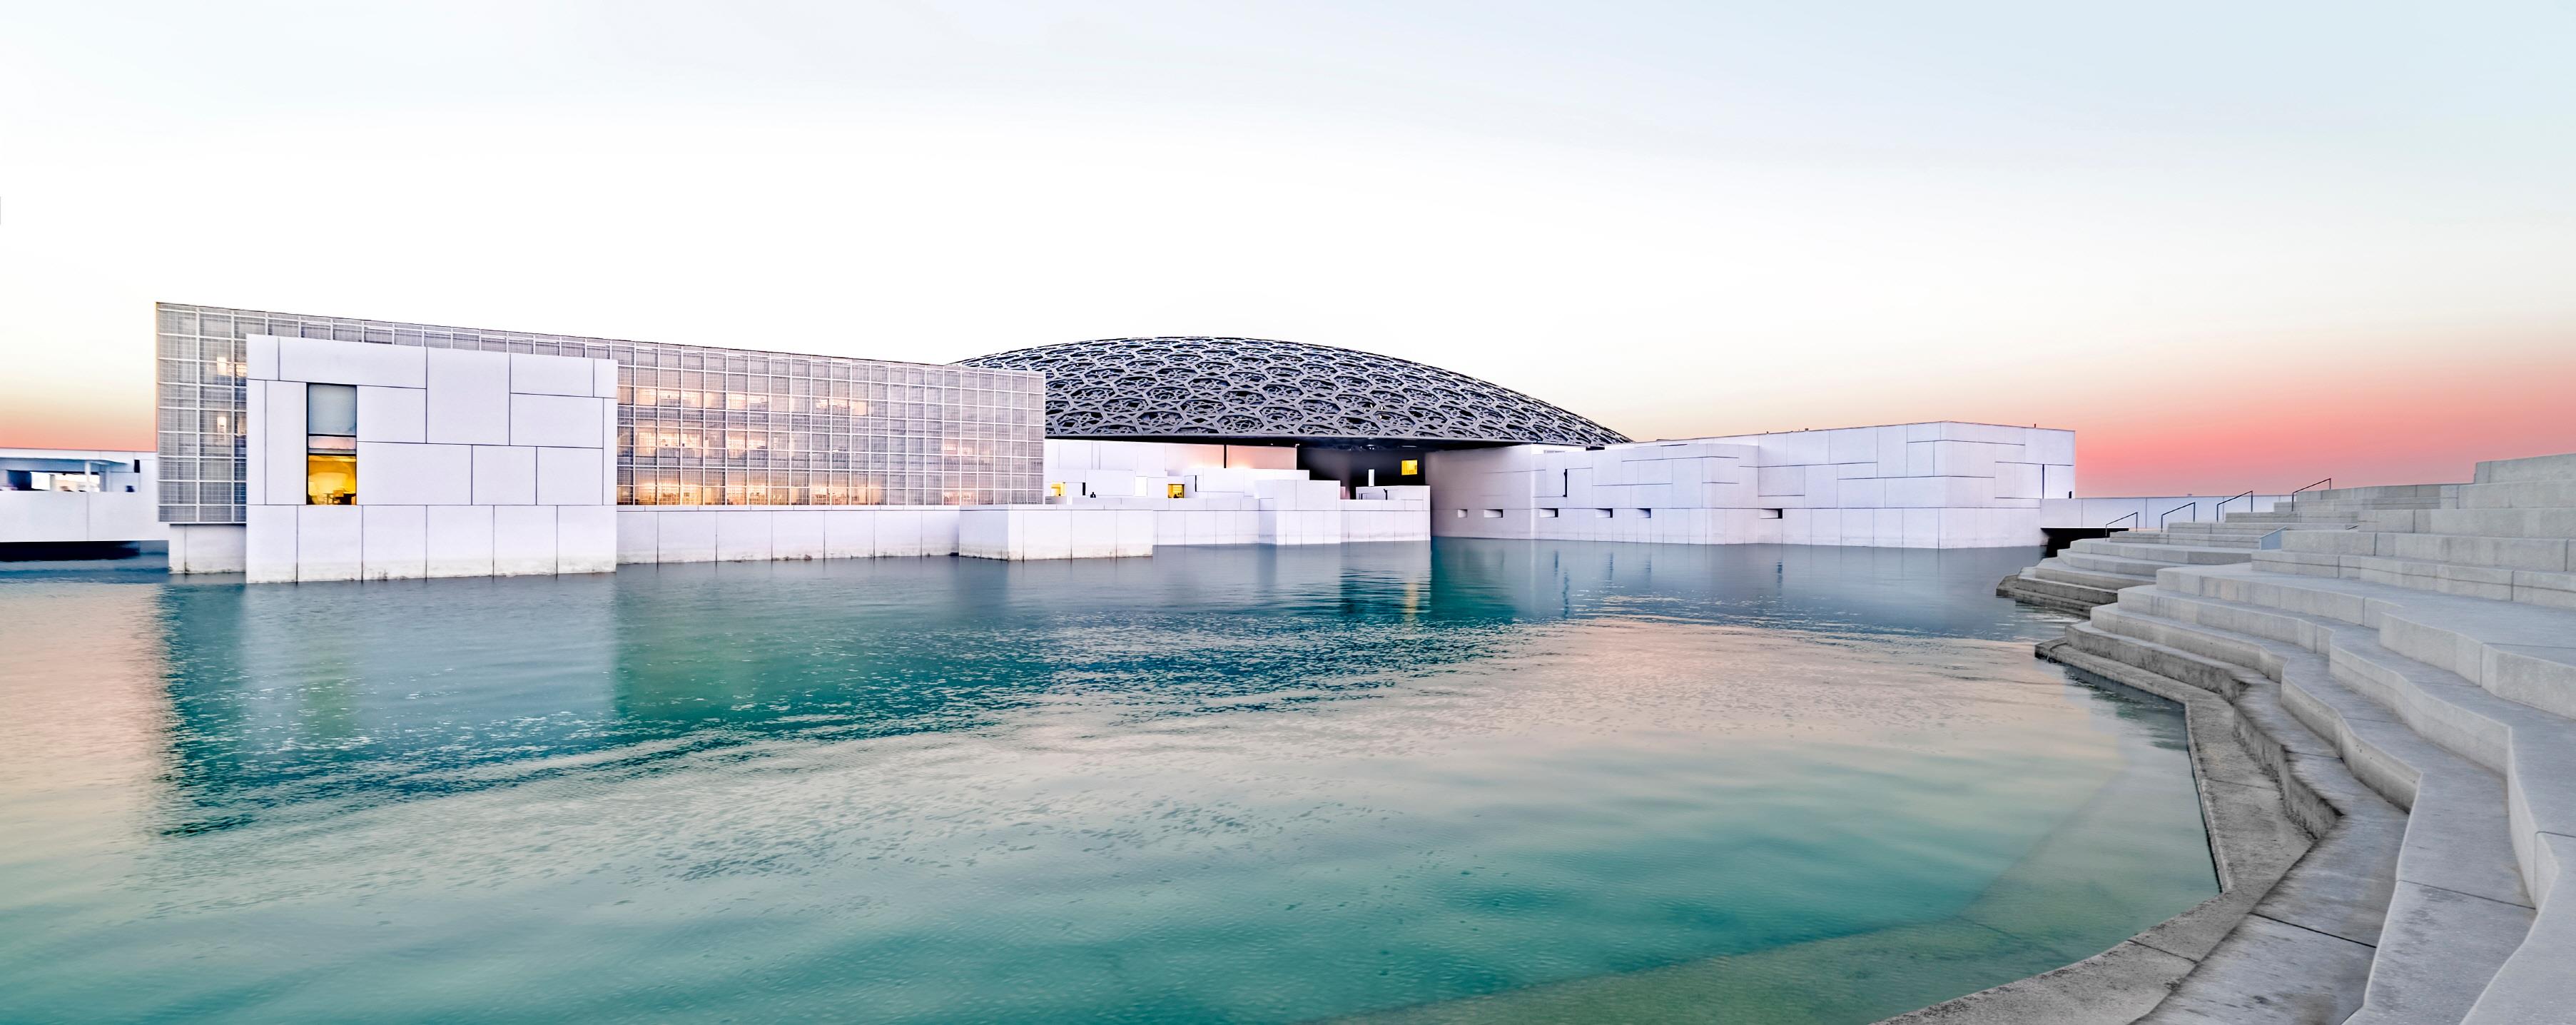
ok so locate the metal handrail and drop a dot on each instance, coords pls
(2160, 517)
(2247, 496)
(2130, 516)
(2294, 495)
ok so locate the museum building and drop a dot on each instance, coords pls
(298, 447)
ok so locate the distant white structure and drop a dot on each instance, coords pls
(1231, 494)
(78, 496)
(1926, 485)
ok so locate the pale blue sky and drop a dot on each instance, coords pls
(1678, 218)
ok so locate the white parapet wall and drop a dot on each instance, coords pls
(650, 534)
(1026, 532)
(468, 464)
(79, 496)
(1927, 485)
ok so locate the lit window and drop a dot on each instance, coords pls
(1411, 468)
(1172, 490)
(330, 480)
(1056, 489)
(330, 444)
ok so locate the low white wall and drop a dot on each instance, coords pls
(1928, 485)
(685, 533)
(208, 547)
(1023, 532)
(124, 508)
(78, 516)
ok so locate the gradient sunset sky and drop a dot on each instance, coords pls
(2231, 245)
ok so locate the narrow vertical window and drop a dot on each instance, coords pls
(330, 444)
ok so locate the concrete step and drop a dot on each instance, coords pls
(2302, 952)
(2058, 570)
(2215, 538)
(2534, 748)
(2285, 514)
(2532, 494)
(2158, 537)
(2113, 565)
(2248, 531)
(2030, 586)
(2524, 653)
(2458, 910)
(2517, 522)
(2376, 493)
(2547, 589)
(2115, 547)
(2509, 471)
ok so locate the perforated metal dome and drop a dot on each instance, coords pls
(1217, 388)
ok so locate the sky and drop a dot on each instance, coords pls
(2232, 246)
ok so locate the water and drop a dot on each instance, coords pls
(1465, 781)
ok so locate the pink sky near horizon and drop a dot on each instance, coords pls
(2368, 415)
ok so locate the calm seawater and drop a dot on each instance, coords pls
(1460, 781)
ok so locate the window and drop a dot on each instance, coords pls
(330, 480)
(330, 444)
(1547, 514)
(1645, 514)
(1410, 468)
(1173, 490)
(331, 409)
(1493, 514)
(1056, 489)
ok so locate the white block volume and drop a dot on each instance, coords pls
(451, 463)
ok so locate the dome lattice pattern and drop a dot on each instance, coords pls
(1258, 388)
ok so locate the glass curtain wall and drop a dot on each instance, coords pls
(696, 425)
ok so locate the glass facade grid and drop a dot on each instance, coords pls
(696, 425)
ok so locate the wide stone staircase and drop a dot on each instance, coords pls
(2091, 572)
(2403, 666)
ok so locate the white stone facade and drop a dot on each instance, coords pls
(468, 464)
(675, 533)
(1231, 494)
(1927, 485)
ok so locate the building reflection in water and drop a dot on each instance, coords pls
(337, 693)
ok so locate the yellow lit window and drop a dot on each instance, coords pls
(1056, 489)
(330, 480)
(1412, 468)
(1172, 490)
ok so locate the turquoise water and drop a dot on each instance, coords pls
(1462, 781)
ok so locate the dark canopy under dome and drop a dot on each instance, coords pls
(1255, 389)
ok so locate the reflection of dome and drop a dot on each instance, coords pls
(1256, 388)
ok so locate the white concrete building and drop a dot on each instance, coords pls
(1926, 485)
(299, 448)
